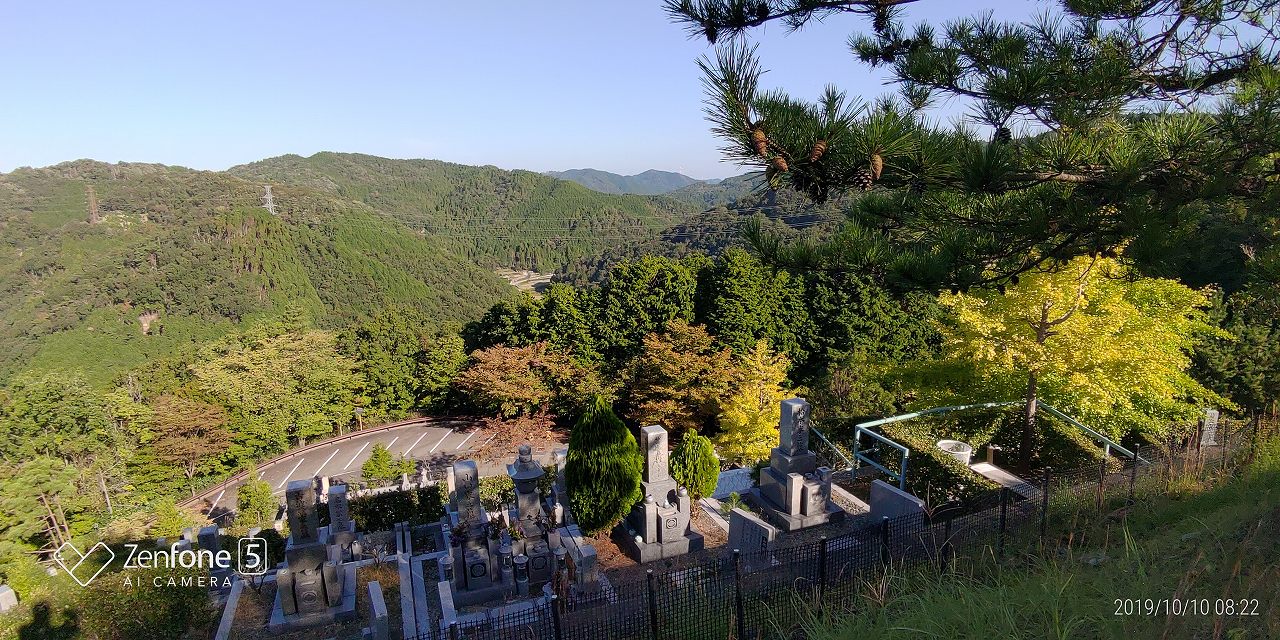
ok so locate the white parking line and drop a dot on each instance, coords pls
(290, 474)
(393, 442)
(215, 500)
(415, 443)
(357, 455)
(446, 435)
(326, 461)
(464, 440)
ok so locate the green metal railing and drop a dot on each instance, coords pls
(864, 428)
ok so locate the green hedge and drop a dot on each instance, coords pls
(932, 474)
(382, 511)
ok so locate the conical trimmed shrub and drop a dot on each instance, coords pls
(695, 466)
(603, 468)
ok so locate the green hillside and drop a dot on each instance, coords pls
(516, 219)
(180, 256)
(651, 182)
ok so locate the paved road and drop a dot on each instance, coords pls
(432, 441)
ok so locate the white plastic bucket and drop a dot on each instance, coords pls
(961, 451)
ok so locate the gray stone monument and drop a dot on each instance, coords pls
(794, 492)
(559, 492)
(659, 526)
(1209, 433)
(300, 505)
(310, 589)
(473, 566)
(210, 539)
(753, 537)
(342, 531)
(464, 490)
(525, 473)
(8, 598)
(888, 501)
(379, 624)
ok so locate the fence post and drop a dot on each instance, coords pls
(1102, 480)
(653, 605)
(555, 617)
(885, 554)
(1004, 518)
(453, 630)
(1044, 502)
(737, 594)
(1226, 439)
(946, 540)
(822, 571)
(1133, 475)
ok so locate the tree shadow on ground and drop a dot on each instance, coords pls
(42, 626)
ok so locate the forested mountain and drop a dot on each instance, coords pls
(725, 193)
(104, 266)
(649, 183)
(725, 207)
(516, 219)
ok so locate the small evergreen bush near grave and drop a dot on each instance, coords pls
(695, 466)
(603, 468)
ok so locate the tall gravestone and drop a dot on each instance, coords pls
(660, 525)
(794, 492)
(474, 558)
(342, 530)
(300, 505)
(1209, 432)
(310, 587)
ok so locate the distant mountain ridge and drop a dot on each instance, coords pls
(105, 266)
(498, 218)
(649, 183)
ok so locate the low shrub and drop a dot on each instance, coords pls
(156, 603)
(694, 465)
(382, 511)
(932, 474)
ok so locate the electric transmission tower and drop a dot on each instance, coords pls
(268, 202)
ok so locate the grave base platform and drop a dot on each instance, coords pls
(779, 518)
(643, 552)
(345, 611)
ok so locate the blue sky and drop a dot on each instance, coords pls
(609, 84)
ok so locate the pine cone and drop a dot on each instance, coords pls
(819, 148)
(862, 179)
(917, 185)
(880, 22)
(710, 31)
(762, 11)
(877, 166)
(780, 164)
(760, 141)
(1003, 135)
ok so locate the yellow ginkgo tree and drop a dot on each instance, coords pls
(1089, 336)
(749, 415)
